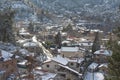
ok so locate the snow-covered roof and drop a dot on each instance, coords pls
(43, 75)
(83, 39)
(85, 43)
(39, 72)
(38, 68)
(82, 49)
(23, 41)
(30, 44)
(66, 67)
(64, 34)
(24, 33)
(69, 49)
(48, 76)
(22, 30)
(66, 41)
(60, 60)
(7, 47)
(97, 76)
(105, 39)
(93, 65)
(23, 62)
(23, 51)
(104, 65)
(104, 52)
(75, 60)
(96, 30)
(6, 55)
(64, 61)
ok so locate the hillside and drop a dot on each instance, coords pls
(103, 11)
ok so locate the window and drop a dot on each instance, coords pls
(63, 75)
(56, 66)
(77, 65)
(71, 64)
(48, 66)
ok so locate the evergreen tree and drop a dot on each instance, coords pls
(31, 28)
(114, 60)
(96, 43)
(58, 39)
(6, 23)
(68, 28)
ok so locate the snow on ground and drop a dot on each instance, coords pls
(49, 55)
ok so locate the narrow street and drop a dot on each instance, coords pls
(46, 52)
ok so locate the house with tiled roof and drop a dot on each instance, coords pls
(101, 56)
(70, 52)
(64, 67)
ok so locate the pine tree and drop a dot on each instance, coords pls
(6, 22)
(31, 28)
(114, 60)
(68, 28)
(58, 40)
(96, 43)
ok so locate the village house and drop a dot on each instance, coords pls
(24, 33)
(22, 24)
(71, 52)
(7, 47)
(51, 65)
(94, 76)
(93, 67)
(86, 45)
(96, 67)
(96, 71)
(64, 67)
(101, 56)
(31, 46)
(75, 63)
(39, 74)
(22, 67)
(104, 40)
(8, 65)
(20, 42)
